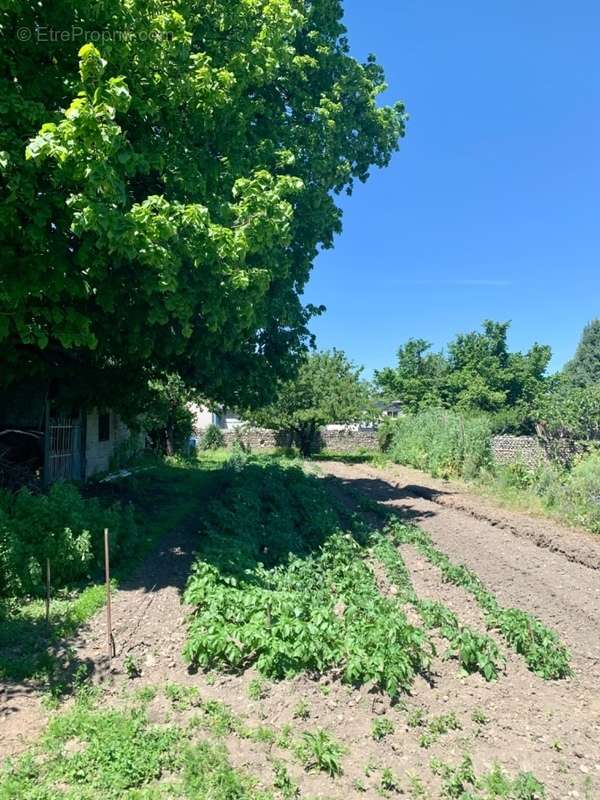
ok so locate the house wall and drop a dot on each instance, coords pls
(98, 454)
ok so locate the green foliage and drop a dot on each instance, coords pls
(475, 652)
(277, 584)
(212, 439)
(570, 412)
(442, 442)
(417, 378)
(478, 375)
(319, 750)
(62, 526)
(167, 417)
(302, 710)
(584, 367)
(381, 728)
(283, 781)
(438, 726)
(163, 199)
(541, 648)
(327, 389)
(460, 782)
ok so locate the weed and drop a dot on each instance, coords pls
(319, 750)
(479, 716)
(283, 781)
(145, 694)
(381, 728)
(416, 718)
(258, 689)
(301, 710)
(182, 697)
(132, 668)
(416, 788)
(388, 782)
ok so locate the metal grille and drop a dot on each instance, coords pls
(64, 449)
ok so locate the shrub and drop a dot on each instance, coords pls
(213, 438)
(62, 526)
(442, 442)
(579, 494)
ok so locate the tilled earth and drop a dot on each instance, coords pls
(551, 728)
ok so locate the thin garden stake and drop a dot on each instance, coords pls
(47, 591)
(109, 635)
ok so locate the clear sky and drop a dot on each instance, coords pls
(491, 208)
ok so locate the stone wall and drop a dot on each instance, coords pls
(526, 450)
(339, 441)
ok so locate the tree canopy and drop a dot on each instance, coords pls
(584, 367)
(328, 388)
(477, 374)
(165, 190)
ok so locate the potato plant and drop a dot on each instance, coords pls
(539, 645)
(277, 584)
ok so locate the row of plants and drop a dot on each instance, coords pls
(475, 652)
(278, 584)
(526, 634)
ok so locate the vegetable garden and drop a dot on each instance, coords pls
(304, 619)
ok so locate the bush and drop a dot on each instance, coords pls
(579, 495)
(213, 438)
(62, 526)
(442, 442)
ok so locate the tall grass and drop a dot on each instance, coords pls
(442, 442)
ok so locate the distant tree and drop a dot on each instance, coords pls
(327, 389)
(584, 367)
(478, 374)
(416, 378)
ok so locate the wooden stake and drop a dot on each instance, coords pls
(47, 591)
(109, 635)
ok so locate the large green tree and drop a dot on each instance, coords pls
(584, 367)
(166, 188)
(328, 388)
(477, 374)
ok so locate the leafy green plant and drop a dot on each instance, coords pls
(258, 689)
(541, 648)
(301, 710)
(319, 750)
(61, 526)
(212, 439)
(132, 669)
(388, 782)
(283, 781)
(380, 728)
(182, 697)
(264, 598)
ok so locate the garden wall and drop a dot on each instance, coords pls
(526, 450)
(340, 441)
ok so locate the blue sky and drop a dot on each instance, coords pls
(491, 208)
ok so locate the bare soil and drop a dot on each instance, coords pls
(549, 727)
